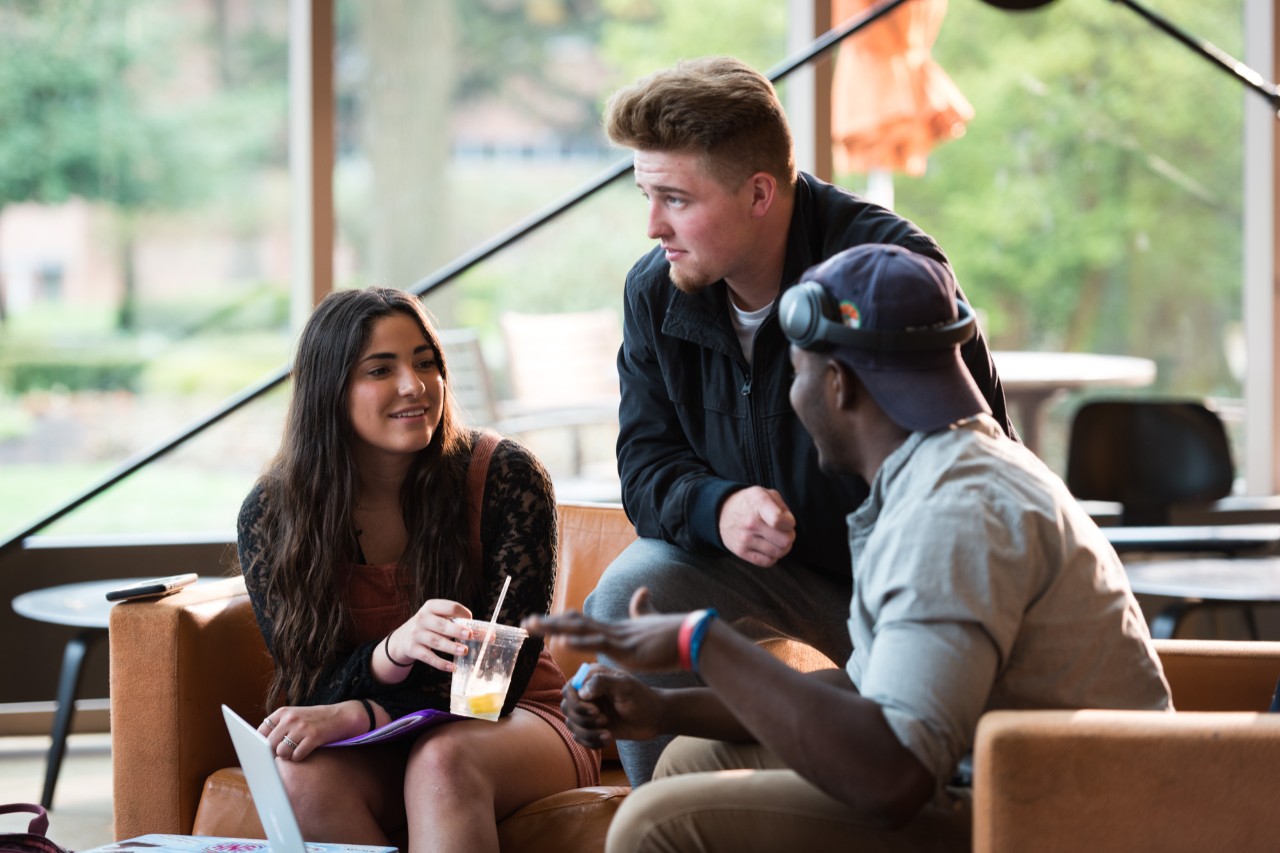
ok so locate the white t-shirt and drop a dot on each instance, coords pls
(746, 323)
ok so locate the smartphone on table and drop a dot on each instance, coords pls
(152, 587)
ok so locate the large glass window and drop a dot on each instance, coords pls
(144, 251)
(135, 307)
(1093, 204)
(460, 120)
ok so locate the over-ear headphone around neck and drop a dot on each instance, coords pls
(810, 319)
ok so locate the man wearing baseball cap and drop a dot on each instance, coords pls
(978, 584)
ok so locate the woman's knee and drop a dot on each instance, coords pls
(475, 757)
(316, 789)
(443, 760)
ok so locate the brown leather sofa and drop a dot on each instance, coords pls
(176, 660)
(1201, 779)
(1044, 780)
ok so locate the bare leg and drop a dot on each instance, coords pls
(347, 796)
(464, 777)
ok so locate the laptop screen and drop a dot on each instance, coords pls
(269, 796)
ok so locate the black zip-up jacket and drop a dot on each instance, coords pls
(698, 423)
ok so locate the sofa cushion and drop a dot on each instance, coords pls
(226, 807)
(591, 535)
(574, 820)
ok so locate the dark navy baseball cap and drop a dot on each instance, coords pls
(893, 316)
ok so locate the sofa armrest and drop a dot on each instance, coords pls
(1124, 780)
(1220, 675)
(591, 536)
(173, 662)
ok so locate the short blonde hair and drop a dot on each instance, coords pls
(718, 107)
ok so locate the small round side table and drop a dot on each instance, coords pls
(84, 606)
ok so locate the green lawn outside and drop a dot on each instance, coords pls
(160, 499)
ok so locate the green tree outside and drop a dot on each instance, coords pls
(1095, 202)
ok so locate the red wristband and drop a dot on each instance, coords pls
(686, 636)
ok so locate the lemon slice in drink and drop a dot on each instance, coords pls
(485, 703)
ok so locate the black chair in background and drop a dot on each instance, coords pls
(1148, 455)
(1151, 457)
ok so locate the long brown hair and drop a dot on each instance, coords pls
(309, 493)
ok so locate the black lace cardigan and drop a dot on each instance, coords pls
(518, 535)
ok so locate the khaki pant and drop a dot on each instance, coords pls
(712, 796)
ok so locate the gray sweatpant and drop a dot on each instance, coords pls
(787, 600)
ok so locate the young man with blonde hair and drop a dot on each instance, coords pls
(718, 475)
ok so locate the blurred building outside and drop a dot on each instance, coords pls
(1115, 242)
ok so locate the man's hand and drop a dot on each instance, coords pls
(611, 705)
(756, 525)
(647, 642)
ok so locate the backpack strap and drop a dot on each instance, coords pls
(477, 472)
(39, 824)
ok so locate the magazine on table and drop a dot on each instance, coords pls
(165, 843)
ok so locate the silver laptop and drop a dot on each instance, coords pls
(269, 796)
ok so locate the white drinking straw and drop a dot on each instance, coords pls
(488, 635)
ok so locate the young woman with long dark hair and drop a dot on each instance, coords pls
(378, 522)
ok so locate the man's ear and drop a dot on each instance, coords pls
(764, 191)
(843, 384)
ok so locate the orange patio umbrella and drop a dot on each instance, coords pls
(891, 103)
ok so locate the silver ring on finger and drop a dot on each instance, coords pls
(268, 721)
(292, 745)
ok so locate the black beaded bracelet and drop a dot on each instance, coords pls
(386, 650)
(368, 709)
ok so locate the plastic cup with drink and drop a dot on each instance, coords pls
(481, 676)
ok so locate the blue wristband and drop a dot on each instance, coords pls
(699, 632)
(580, 677)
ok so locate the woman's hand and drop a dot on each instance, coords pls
(647, 642)
(294, 731)
(427, 632)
